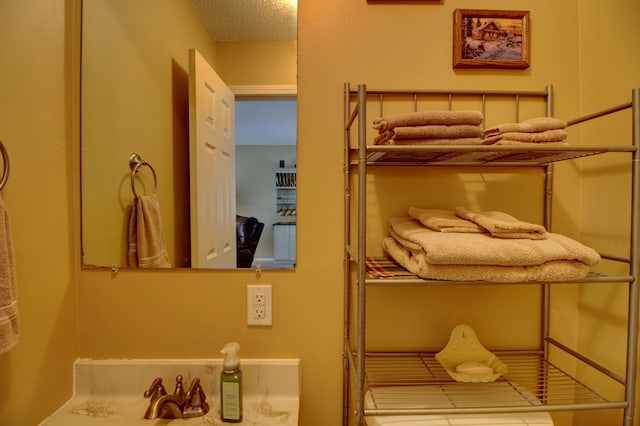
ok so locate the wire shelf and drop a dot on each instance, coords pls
(480, 155)
(384, 271)
(416, 383)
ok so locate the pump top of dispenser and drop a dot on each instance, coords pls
(231, 361)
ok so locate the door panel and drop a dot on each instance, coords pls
(212, 167)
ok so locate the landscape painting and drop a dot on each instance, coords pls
(490, 39)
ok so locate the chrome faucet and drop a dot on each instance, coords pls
(177, 405)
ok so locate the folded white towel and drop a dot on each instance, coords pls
(9, 322)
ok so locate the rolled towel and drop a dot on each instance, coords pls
(533, 125)
(556, 135)
(503, 225)
(422, 118)
(444, 220)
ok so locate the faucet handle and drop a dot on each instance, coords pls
(179, 390)
(196, 401)
(156, 390)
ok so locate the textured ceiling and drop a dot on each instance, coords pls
(233, 20)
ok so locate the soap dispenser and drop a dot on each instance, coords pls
(231, 385)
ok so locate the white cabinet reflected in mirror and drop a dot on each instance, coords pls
(135, 99)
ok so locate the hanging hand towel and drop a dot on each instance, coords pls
(147, 248)
(9, 326)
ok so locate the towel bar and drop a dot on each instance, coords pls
(135, 164)
(5, 173)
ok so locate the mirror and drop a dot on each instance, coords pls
(135, 99)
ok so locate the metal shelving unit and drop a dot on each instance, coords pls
(381, 378)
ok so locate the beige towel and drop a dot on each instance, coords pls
(448, 248)
(147, 248)
(415, 262)
(422, 118)
(533, 125)
(429, 132)
(503, 225)
(444, 220)
(556, 135)
(9, 321)
(453, 141)
(512, 142)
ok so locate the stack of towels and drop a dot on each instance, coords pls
(463, 245)
(430, 127)
(536, 130)
(464, 128)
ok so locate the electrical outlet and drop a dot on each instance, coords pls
(258, 297)
(259, 304)
(259, 313)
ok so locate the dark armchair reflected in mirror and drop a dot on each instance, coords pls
(139, 94)
(248, 233)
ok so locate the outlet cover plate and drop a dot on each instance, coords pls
(259, 305)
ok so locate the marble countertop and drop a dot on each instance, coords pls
(82, 411)
(110, 392)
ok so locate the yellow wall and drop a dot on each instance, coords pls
(136, 71)
(609, 70)
(257, 62)
(136, 313)
(36, 126)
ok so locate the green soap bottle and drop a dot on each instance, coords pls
(231, 385)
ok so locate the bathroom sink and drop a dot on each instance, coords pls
(111, 391)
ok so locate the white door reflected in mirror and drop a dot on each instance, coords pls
(212, 163)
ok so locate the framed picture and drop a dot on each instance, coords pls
(404, 1)
(490, 38)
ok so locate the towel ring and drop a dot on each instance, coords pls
(5, 173)
(135, 164)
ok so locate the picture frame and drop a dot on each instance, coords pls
(403, 1)
(490, 38)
